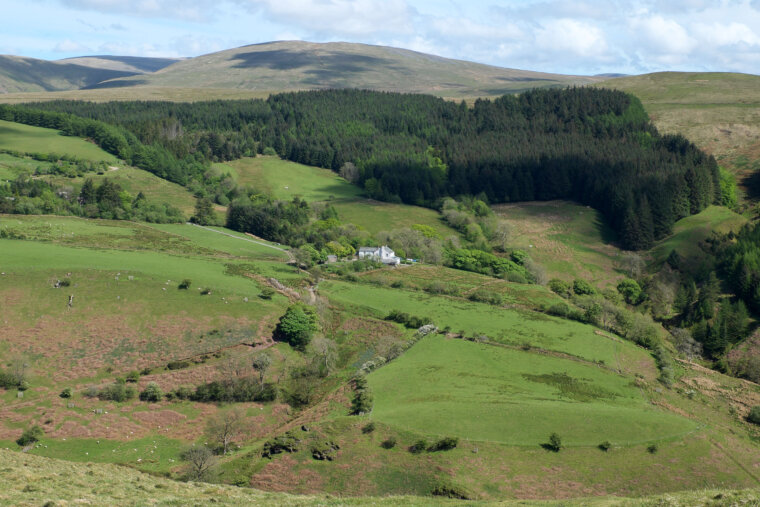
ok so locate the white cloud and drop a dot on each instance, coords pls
(568, 35)
(721, 34)
(338, 17)
(663, 36)
(70, 46)
(190, 10)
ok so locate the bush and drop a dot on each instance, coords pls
(206, 292)
(418, 447)
(152, 393)
(630, 290)
(605, 446)
(559, 287)
(450, 491)
(444, 444)
(267, 293)
(486, 296)
(555, 442)
(754, 415)
(30, 436)
(118, 392)
(66, 393)
(133, 376)
(582, 288)
(177, 365)
(388, 443)
(652, 449)
(369, 428)
(558, 309)
(185, 284)
(240, 390)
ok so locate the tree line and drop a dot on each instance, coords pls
(593, 146)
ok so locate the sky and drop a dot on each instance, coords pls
(570, 37)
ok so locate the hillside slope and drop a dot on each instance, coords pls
(717, 111)
(296, 65)
(20, 74)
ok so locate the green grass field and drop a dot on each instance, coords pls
(421, 276)
(481, 392)
(511, 326)
(24, 138)
(284, 180)
(689, 232)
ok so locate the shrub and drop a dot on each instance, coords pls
(118, 392)
(652, 448)
(133, 376)
(418, 447)
(486, 296)
(267, 293)
(206, 292)
(185, 284)
(582, 288)
(66, 393)
(515, 277)
(30, 436)
(369, 428)
(244, 389)
(555, 442)
(630, 290)
(177, 365)
(388, 443)
(605, 446)
(269, 151)
(444, 444)
(558, 309)
(152, 393)
(559, 287)
(450, 491)
(754, 415)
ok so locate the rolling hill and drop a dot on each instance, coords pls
(296, 65)
(20, 74)
(716, 110)
(269, 67)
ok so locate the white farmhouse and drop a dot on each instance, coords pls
(382, 254)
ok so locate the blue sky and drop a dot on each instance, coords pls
(571, 37)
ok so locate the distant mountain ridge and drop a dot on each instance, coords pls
(21, 74)
(282, 66)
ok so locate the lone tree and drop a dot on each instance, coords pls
(555, 442)
(261, 363)
(201, 460)
(225, 426)
(297, 326)
(204, 212)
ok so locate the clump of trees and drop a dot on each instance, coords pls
(297, 326)
(29, 196)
